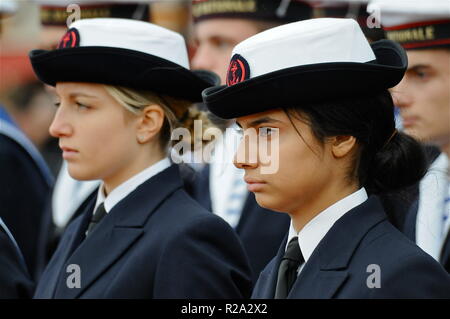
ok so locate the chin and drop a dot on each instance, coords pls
(413, 132)
(268, 202)
(80, 174)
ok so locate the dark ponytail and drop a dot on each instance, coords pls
(387, 160)
(399, 164)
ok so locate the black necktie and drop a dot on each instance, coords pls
(287, 272)
(99, 213)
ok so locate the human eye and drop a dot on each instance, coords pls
(266, 131)
(82, 106)
(221, 44)
(421, 73)
(239, 130)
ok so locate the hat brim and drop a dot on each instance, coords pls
(116, 66)
(309, 83)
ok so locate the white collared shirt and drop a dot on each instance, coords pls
(316, 229)
(121, 191)
(431, 228)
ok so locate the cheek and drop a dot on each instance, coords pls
(433, 103)
(104, 148)
(298, 178)
(115, 144)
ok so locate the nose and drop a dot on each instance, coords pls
(203, 59)
(60, 127)
(401, 96)
(246, 156)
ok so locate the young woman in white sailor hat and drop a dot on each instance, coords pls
(319, 90)
(122, 86)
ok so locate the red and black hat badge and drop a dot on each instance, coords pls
(238, 70)
(70, 40)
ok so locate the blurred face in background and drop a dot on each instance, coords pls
(36, 119)
(215, 40)
(423, 97)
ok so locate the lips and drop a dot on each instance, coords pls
(254, 184)
(409, 121)
(68, 153)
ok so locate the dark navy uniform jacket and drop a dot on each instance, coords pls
(50, 235)
(25, 184)
(155, 243)
(341, 264)
(14, 279)
(260, 230)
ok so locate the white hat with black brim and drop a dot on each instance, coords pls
(124, 52)
(302, 62)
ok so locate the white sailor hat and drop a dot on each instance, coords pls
(124, 52)
(415, 24)
(306, 61)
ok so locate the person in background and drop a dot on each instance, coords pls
(423, 96)
(32, 109)
(25, 181)
(329, 114)
(218, 26)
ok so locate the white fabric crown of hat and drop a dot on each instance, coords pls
(128, 34)
(124, 52)
(314, 41)
(305, 62)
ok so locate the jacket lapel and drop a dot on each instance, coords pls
(327, 268)
(117, 231)
(55, 268)
(265, 287)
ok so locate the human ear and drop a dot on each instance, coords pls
(150, 123)
(342, 145)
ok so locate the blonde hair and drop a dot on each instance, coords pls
(178, 112)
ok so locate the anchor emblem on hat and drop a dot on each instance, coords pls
(238, 70)
(70, 40)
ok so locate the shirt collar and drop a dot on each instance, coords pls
(121, 191)
(313, 232)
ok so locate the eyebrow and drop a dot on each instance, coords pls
(261, 120)
(419, 66)
(75, 94)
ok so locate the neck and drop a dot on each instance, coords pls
(327, 197)
(131, 169)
